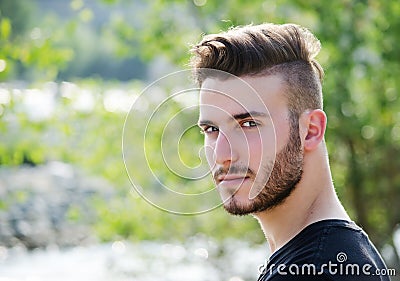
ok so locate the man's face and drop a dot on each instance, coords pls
(253, 150)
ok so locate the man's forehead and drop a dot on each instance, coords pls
(243, 86)
(244, 94)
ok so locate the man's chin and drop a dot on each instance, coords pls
(238, 206)
(234, 207)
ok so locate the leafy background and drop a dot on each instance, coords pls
(68, 69)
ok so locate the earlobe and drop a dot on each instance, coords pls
(315, 124)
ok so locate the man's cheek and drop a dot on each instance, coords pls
(210, 155)
(267, 146)
(256, 152)
(262, 152)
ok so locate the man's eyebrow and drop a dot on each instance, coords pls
(238, 116)
(245, 115)
(201, 123)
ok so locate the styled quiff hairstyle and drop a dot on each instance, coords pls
(267, 49)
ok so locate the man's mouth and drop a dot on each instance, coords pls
(231, 179)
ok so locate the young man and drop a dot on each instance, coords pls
(262, 118)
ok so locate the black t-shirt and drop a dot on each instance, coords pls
(327, 250)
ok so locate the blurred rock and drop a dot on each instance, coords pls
(51, 204)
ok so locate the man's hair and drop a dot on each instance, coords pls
(267, 49)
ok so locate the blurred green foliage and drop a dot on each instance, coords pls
(359, 55)
(25, 47)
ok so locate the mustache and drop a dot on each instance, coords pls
(241, 170)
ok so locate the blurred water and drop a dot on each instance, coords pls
(198, 259)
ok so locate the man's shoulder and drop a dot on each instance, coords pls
(326, 250)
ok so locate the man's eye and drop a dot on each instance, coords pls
(250, 123)
(209, 130)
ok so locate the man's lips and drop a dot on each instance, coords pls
(231, 178)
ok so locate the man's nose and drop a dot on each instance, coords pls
(224, 150)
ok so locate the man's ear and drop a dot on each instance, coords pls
(312, 128)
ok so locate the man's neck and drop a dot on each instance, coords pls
(312, 200)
